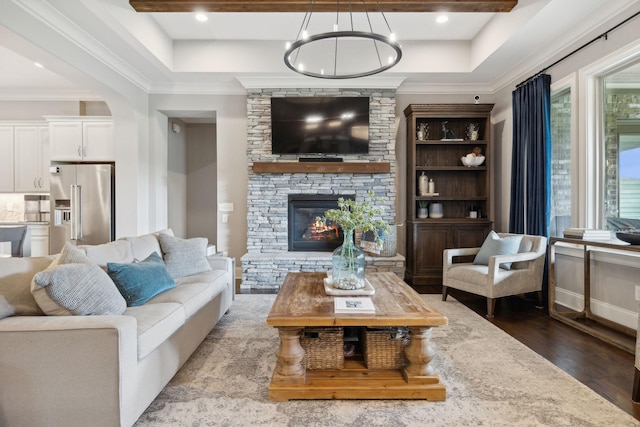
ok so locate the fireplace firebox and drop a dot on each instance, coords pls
(306, 231)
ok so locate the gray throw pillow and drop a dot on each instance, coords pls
(495, 245)
(6, 309)
(74, 285)
(184, 257)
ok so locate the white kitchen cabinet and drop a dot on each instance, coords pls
(31, 145)
(97, 138)
(39, 239)
(65, 139)
(6, 159)
(81, 139)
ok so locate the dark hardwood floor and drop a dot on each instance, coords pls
(604, 368)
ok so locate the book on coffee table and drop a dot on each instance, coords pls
(353, 305)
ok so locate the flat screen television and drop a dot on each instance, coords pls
(322, 125)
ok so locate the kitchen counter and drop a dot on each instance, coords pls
(14, 223)
(38, 240)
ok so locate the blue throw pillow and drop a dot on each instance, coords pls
(495, 245)
(139, 282)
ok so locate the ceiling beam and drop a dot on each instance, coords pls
(322, 5)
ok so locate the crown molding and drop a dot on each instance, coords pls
(183, 88)
(291, 81)
(48, 95)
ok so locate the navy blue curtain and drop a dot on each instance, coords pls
(531, 160)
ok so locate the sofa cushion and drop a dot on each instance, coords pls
(74, 285)
(192, 297)
(145, 245)
(138, 282)
(155, 324)
(15, 283)
(184, 257)
(118, 251)
(205, 277)
(495, 245)
(6, 309)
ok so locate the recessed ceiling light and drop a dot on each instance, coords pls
(441, 19)
(202, 17)
(39, 65)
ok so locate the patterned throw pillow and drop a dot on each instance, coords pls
(184, 257)
(138, 282)
(74, 285)
(495, 245)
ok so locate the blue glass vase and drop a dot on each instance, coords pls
(347, 264)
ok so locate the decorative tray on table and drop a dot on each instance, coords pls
(330, 290)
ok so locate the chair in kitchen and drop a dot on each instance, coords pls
(17, 236)
(521, 274)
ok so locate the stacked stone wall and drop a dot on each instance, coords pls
(268, 192)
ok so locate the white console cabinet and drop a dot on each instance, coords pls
(81, 139)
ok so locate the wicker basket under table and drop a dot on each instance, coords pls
(323, 348)
(384, 348)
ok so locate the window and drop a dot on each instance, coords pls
(560, 161)
(621, 128)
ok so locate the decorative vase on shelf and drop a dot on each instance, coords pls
(347, 264)
(423, 187)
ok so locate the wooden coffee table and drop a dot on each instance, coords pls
(302, 302)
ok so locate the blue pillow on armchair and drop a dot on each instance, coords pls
(138, 282)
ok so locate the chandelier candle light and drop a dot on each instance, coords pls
(347, 261)
(347, 52)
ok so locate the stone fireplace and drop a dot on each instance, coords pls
(269, 257)
(306, 233)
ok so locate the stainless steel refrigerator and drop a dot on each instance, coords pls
(82, 203)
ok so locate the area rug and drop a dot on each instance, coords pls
(491, 380)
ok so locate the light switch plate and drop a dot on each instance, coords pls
(225, 207)
(637, 293)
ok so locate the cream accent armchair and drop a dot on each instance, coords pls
(494, 282)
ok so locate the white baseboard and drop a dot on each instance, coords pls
(619, 315)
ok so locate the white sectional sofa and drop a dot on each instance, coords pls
(103, 369)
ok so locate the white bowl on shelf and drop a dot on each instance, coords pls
(472, 161)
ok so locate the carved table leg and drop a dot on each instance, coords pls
(289, 367)
(419, 353)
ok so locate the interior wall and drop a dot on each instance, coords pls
(177, 178)
(36, 110)
(94, 108)
(231, 146)
(202, 193)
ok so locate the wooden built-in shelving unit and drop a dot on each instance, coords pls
(458, 187)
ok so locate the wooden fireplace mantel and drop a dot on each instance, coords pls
(321, 167)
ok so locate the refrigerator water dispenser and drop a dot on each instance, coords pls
(62, 212)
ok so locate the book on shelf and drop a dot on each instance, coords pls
(587, 233)
(353, 305)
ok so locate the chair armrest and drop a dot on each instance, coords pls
(449, 254)
(496, 260)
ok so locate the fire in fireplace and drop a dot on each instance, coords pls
(307, 232)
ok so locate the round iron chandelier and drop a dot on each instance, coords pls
(343, 54)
